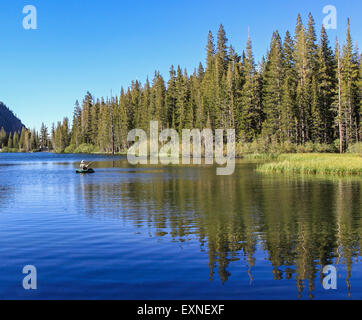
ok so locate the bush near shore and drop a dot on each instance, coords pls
(9, 150)
(265, 146)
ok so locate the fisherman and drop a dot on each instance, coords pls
(83, 166)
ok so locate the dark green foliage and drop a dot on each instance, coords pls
(302, 93)
(289, 98)
(249, 111)
(273, 89)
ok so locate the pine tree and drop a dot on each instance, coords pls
(52, 135)
(181, 100)
(44, 136)
(210, 51)
(61, 136)
(158, 108)
(208, 85)
(273, 89)
(65, 133)
(33, 140)
(57, 138)
(24, 141)
(104, 136)
(76, 134)
(350, 98)
(3, 137)
(188, 107)
(221, 53)
(134, 103)
(326, 85)
(289, 113)
(16, 140)
(94, 122)
(147, 105)
(249, 111)
(231, 96)
(195, 98)
(122, 124)
(86, 120)
(10, 141)
(171, 98)
(303, 89)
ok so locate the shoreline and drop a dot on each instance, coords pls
(312, 164)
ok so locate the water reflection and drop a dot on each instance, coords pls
(300, 223)
(240, 234)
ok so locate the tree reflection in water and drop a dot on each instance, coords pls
(301, 223)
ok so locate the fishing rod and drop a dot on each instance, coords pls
(89, 164)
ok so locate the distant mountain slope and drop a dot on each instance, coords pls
(8, 120)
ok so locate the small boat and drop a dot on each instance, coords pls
(84, 171)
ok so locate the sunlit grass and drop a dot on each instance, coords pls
(317, 164)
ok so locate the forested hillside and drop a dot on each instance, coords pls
(303, 93)
(8, 120)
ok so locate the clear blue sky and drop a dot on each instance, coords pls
(102, 45)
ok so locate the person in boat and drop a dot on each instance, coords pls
(83, 166)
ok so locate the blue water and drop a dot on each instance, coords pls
(158, 232)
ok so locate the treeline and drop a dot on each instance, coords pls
(302, 92)
(25, 141)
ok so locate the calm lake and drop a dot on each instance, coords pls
(160, 232)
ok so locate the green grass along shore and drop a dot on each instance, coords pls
(314, 164)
